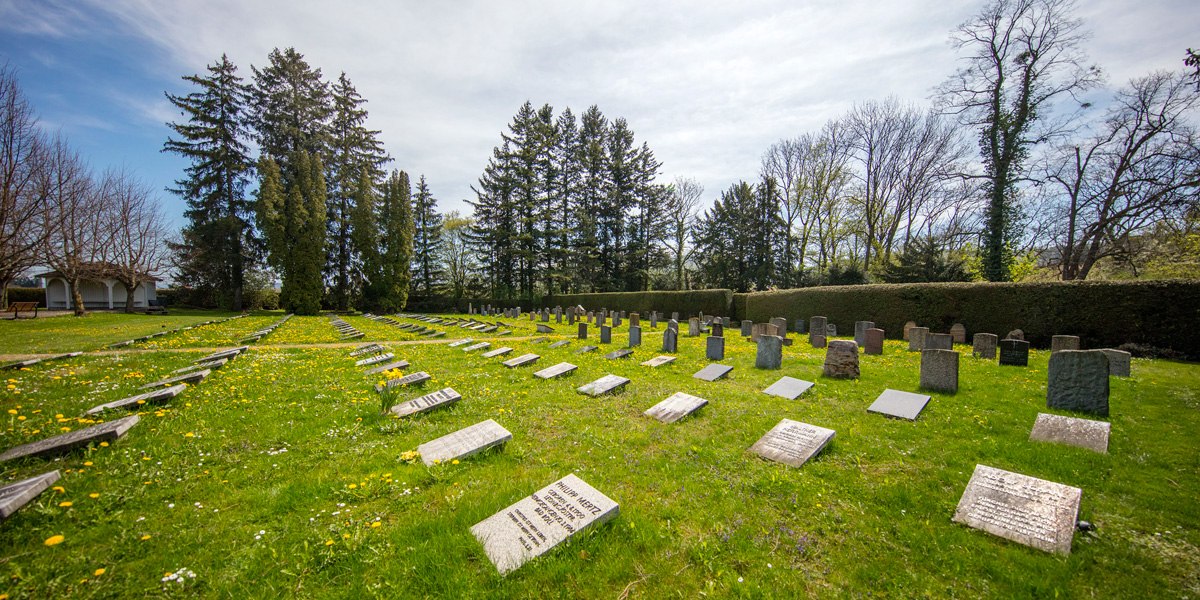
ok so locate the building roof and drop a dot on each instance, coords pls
(98, 267)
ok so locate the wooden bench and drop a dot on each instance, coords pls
(16, 308)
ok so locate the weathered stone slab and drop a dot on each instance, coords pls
(16, 495)
(586, 349)
(1014, 352)
(462, 342)
(958, 333)
(659, 361)
(400, 364)
(604, 385)
(983, 345)
(520, 361)
(1077, 380)
(558, 370)
(463, 443)
(582, 335)
(151, 397)
(714, 348)
(479, 346)
(916, 338)
(676, 407)
(860, 332)
(788, 387)
(817, 340)
(532, 526)
(61, 444)
(770, 352)
(693, 327)
(605, 334)
(831, 330)
(1059, 343)
(497, 352)
(670, 341)
(747, 328)
(902, 405)
(211, 365)
(232, 352)
(635, 336)
(841, 360)
(193, 377)
(622, 353)
(713, 372)
(442, 397)
(907, 328)
(817, 326)
(874, 339)
(369, 348)
(489, 329)
(1118, 362)
(938, 341)
(374, 360)
(939, 370)
(560, 344)
(1026, 510)
(792, 443)
(410, 379)
(544, 328)
(1072, 431)
(1015, 334)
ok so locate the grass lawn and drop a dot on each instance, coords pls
(278, 477)
(95, 330)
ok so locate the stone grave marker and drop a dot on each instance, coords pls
(1015, 334)
(860, 332)
(539, 340)
(1027, 510)
(374, 360)
(1059, 343)
(770, 352)
(938, 341)
(673, 325)
(841, 360)
(816, 326)
(463, 443)
(908, 327)
(1072, 431)
(713, 372)
(714, 348)
(874, 339)
(193, 377)
(586, 349)
(407, 380)
(616, 320)
(901, 405)
(670, 341)
(1014, 352)
(560, 344)
(717, 329)
(676, 407)
(792, 443)
(939, 370)
(582, 335)
(983, 345)
(16, 495)
(653, 319)
(605, 334)
(1077, 380)
(788, 387)
(1118, 362)
(817, 340)
(675, 317)
(479, 346)
(520, 361)
(64, 443)
(533, 525)
(369, 348)
(211, 365)
(916, 338)
(558, 370)
(831, 330)
(442, 397)
(635, 335)
(622, 353)
(603, 385)
(659, 361)
(497, 352)
(781, 328)
(544, 328)
(958, 333)
(747, 328)
(151, 397)
(222, 354)
(400, 364)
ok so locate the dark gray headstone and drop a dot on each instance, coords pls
(1064, 342)
(788, 387)
(1072, 431)
(1077, 380)
(958, 333)
(717, 330)
(520, 361)
(152, 397)
(841, 360)
(64, 443)
(781, 328)
(659, 361)
(983, 345)
(1014, 352)
(939, 370)
(560, 344)
(938, 341)
(442, 397)
(713, 372)
(747, 328)
(817, 326)
(860, 332)
(770, 352)
(901, 405)
(16, 495)
(792, 443)
(714, 348)
(605, 334)
(1023, 509)
(670, 341)
(463, 443)
(1118, 362)
(635, 335)
(874, 340)
(582, 335)
(603, 385)
(676, 407)
(556, 371)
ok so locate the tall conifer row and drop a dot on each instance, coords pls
(291, 215)
(388, 292)
(427, 241)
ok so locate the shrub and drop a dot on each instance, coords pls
(27, 294)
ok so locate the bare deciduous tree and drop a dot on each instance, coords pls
(137, 251)
(22, 205)
(784, 162)
(76, 217)
(679, 215)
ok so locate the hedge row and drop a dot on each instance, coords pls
(27, 294)
(709, 302)
(1103, 314)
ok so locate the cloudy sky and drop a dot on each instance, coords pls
(709, 85)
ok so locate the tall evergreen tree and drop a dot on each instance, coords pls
(219, 244)
(291, 214)
(594, 183)
(366, 237)
(563, 198)
(735, 238)
(427, 241)
(292, 107)
(396, 221)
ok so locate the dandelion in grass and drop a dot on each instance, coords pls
(54, 540)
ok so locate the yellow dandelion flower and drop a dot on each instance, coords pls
(87, 464)
(376, 524)
(65, 504)
(145, 537)
(60, 489)
(328, 542)
(454, 462)
(93, 495)
(98, 572)
(54, 540)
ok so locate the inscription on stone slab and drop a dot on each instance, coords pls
(556, 371)
(902, 405)
(359, 351)
(479, 346)
(427, 402)
(788, 387)
(410, 379)
(1073, 431)
(497, 352)
(463, 443)
(61, 444)
(1078, 380)
(1024, 509)
(676, 407)
(713, 372)
(659, 361)
(560, 344)
(193, 377)
(15, 495)
(603, 385)
(522, 360)
(622, 353)
(792, 442)
(534, 525)
(374, 360)
(400, 364)
(152, 397)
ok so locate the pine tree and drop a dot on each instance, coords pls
(389, 293)
(218, 243)
(365, 236)
(291, 214)
(427, 241)
(563, 198)
(735, 238)
(292, 107)
(594, 185)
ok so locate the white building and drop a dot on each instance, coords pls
(97, 293)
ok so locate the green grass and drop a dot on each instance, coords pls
(289, 442)
(95, 330)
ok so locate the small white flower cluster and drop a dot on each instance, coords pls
(273, 451)
(260, 533)
(181, 575)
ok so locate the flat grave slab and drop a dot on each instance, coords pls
(560, 344)
(16, 495)
(410, 379)
(479, 346)
(622, 353)
(497, 352)
(603, 385)
(151, 397)
(713, 372)
(902, 405)
(400, 364)
(1073, 431)
(463, 443)
(788, 387)
(462, 342)
(374, 360)
(792, 443)
(676, 407)
(359, 351)
(556, 371)
(61, 444)
(535, 524)
(193, 377)
(659, 361)
(1020, 508)
(442, 397)
(522, 360)
(586, 349)
(211, 365)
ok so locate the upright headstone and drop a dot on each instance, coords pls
(670, 341)
(582, 331)
(616, 320)
(958, 333)
(605, 334)
(747, 328)
(675, 317)
(693, 327)
(714, 348)
(717, 329)
(1014, 352)
(1078, 380)
(1015, 334)
(635, 320)
(983, 345)
(1023, 509)
(463, 443)
(939, 370)
(841, 360)
(673, 325)
(770, 352)
(761, 329)
(1059, 343)
(938, 341)
(1118, 362)
(916, 338)
(792, 443)
(874, 339)
(635, 335)
(817, 340)
(816, 326)
(831, 330)
(780, 324)
(908, 327)
(1072, 431)
(654, 319)
(860, 332)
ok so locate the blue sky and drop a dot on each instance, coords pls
(709, 85)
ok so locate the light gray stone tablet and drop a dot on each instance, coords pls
(659, 361)
(1073, 431)
(556, 371)
(442, 397)
(544, 328)
(400, 364)
(151, 397)
(463, 443)
(560, 344)
(479, 346)
(603, 385)
(222, 354)
(939, 370)
(622, 353)
(676, 407)
(792, 442)
(788, 387)
(211, 365)
(369, 348)
(374, 360)
(16, 495)
(1118, 362)
(462, 342)
(535, 524)
(61, 444)
(1026, 510)
(497, 352)
(520, 361)
(410, 379)
(902, 405)
(193, 377)
(713, 372)
(586, 349)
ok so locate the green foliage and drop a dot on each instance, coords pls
(710, 302)
(387, 284)
(292, 107)
(427, 241)
(925, 262)
(27, 294)
(291, 216)
(735, 238)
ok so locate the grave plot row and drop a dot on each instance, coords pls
(264, 332)
(345, 330)
(159, 334)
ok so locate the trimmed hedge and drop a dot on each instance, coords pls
(738, 308)
(710, 302)
(1104, 314)
(27, 294)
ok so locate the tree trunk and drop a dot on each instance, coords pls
(130, 288)
(77, 298)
